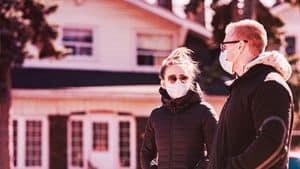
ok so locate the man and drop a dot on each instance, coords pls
(254, 129)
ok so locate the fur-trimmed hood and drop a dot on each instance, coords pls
(274, 59)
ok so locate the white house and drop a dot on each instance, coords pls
(117, 35)
(58, 122)
(290, 15)
(74, 127)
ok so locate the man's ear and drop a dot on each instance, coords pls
(242, 45)
(163, 84)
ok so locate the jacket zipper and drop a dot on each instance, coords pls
(171, 143)
(274, 156)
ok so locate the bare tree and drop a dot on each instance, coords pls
(22, 22)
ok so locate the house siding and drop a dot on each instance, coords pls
(114, 45)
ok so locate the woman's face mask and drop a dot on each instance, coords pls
(177, 89)
(177, 82)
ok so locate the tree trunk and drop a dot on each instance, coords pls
(5, 101)
(167, 4)
(235, 11)
(250, 9)
(200, 15)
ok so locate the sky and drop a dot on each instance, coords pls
(178, 8)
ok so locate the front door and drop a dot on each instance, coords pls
(101, 141)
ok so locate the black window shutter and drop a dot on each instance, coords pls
(58, 141)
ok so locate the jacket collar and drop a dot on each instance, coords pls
(275, 60)
(254, 71)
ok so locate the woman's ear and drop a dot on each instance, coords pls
(163, 83)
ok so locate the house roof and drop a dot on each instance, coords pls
(280, 7)
(130, 95)
(143, 92)
(96, 92)
(161, 12)
(34, 78)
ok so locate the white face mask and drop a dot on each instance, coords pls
(226, 64)
(177, 89)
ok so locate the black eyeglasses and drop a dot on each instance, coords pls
(173, 78)
(222, 45)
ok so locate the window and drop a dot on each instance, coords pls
(29, 138)
(80, 41)
(15, 142)
(291, 42)
(100, 136)
(152, 49)
(33, 144)
(77, 144)
(124, 143)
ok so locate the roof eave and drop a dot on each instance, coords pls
(197, 28)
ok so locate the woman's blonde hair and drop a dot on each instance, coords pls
(182, 56)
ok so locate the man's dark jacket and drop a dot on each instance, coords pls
(254, 128)
(178, 133)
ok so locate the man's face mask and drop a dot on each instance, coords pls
(223, 57)
(225, 64)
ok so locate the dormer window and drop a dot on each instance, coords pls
(80, 41)
(152, 49)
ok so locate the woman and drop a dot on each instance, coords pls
(180, 132)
